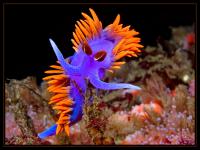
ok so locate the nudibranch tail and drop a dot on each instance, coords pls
(59, 85)
(66, 99)
(49, 132)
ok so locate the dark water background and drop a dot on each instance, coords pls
(27, 29)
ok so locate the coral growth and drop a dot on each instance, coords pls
(25, 107)
(163, 112)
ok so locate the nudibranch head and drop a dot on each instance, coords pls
(96, 50)
(105, 46)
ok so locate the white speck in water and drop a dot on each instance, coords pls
(185, 78)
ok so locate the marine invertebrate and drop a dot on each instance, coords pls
(139, 112)
(97, 50)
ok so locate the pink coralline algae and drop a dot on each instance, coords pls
(192, 88)
(11, 126)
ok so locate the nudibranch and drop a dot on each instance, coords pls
(97, 50)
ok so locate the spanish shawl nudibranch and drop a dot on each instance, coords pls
(97, 50)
